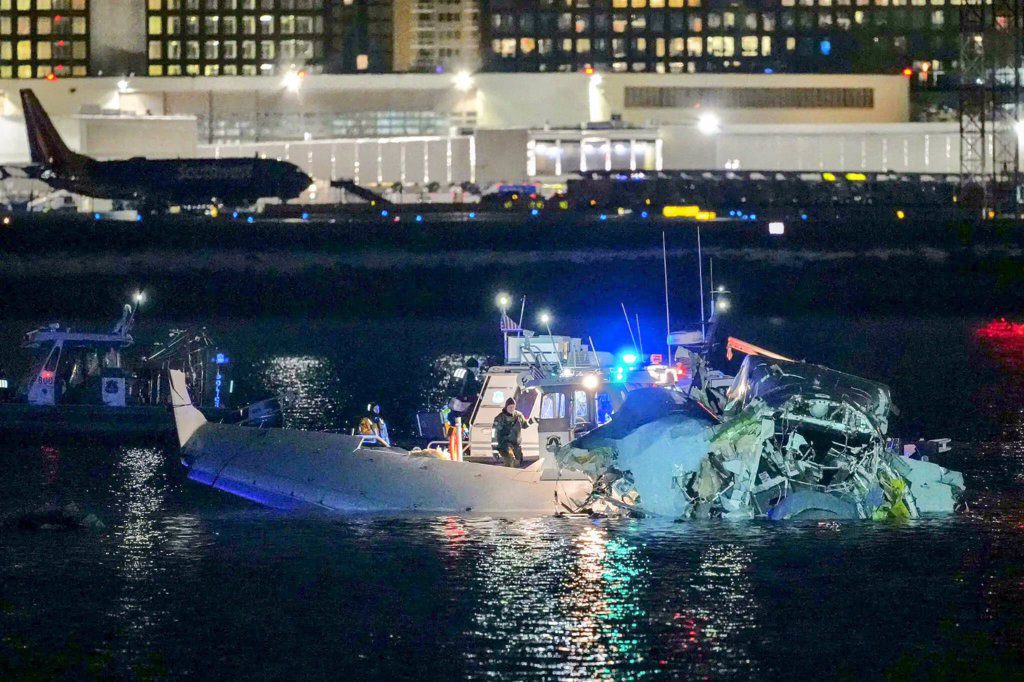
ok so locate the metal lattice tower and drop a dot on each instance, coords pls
(991, 40)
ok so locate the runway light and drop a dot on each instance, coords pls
(776, 228)
(534, 212)
(472, 214)
(590, 382)
(856, 177)
(384, 214)
(234, 215)
(709, 124)
(463, 81)
(305, 216)
(95, 216)
(250, 220)
(643, 214)
(828, 177)
(602, 217)
(419, 219)
(900, 215)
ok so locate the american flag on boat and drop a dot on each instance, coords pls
(508, 324)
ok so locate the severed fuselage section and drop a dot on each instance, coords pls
(789, 440)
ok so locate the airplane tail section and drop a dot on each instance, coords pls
(44, 142)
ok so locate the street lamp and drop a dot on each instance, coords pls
(503, 301)
(140, 298)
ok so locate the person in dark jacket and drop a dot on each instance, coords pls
(508, 433)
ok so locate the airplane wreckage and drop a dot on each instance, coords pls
(784, 440)
(787, 440)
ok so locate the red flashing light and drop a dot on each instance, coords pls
(46, 374)
(908, 72)
(51, 76)
(60, 43)
(57, 18)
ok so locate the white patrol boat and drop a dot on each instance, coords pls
(82, 383)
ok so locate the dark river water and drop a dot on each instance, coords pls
(188, 581)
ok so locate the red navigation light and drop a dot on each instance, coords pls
(908, 72)
(51, 76)
(46, 374)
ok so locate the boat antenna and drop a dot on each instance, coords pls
(700, 287)
(668, 323)
(639, 336)
(597, 360)
(522, 311)
(629, 326)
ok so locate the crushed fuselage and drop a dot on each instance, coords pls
(794, 441)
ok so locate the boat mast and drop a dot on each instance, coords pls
(700, 287)
(668, 323)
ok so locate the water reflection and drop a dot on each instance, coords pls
(141, 490)
(558, 603)
(718, 615)
(315, 399)
(49, 457)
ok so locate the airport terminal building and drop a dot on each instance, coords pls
(425, 94)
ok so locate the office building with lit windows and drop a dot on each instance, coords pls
(437, 35)
(695, 36)
(266, 37)
(44, 38)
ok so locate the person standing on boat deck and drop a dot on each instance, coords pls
(373, 424)
(508, 433)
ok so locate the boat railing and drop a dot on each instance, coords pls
(373, 440)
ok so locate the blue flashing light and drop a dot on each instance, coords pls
(602, 217)
(250, 220)
(472, 214)
(419, 219)
(384, 213)
(534, 212)
(95, 216)
(305, 216)
(138, 217)
(629, 358)
(826, 47)
(769, 70)
(643, 214)
(221, 359)
(235, 214)
(753, 216)
(803, 216)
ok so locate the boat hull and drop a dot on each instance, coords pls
(285, 469)
(92, 421)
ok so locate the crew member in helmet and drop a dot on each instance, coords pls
(508, 433)
(372, 424)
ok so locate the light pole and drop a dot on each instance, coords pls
(545, 319)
